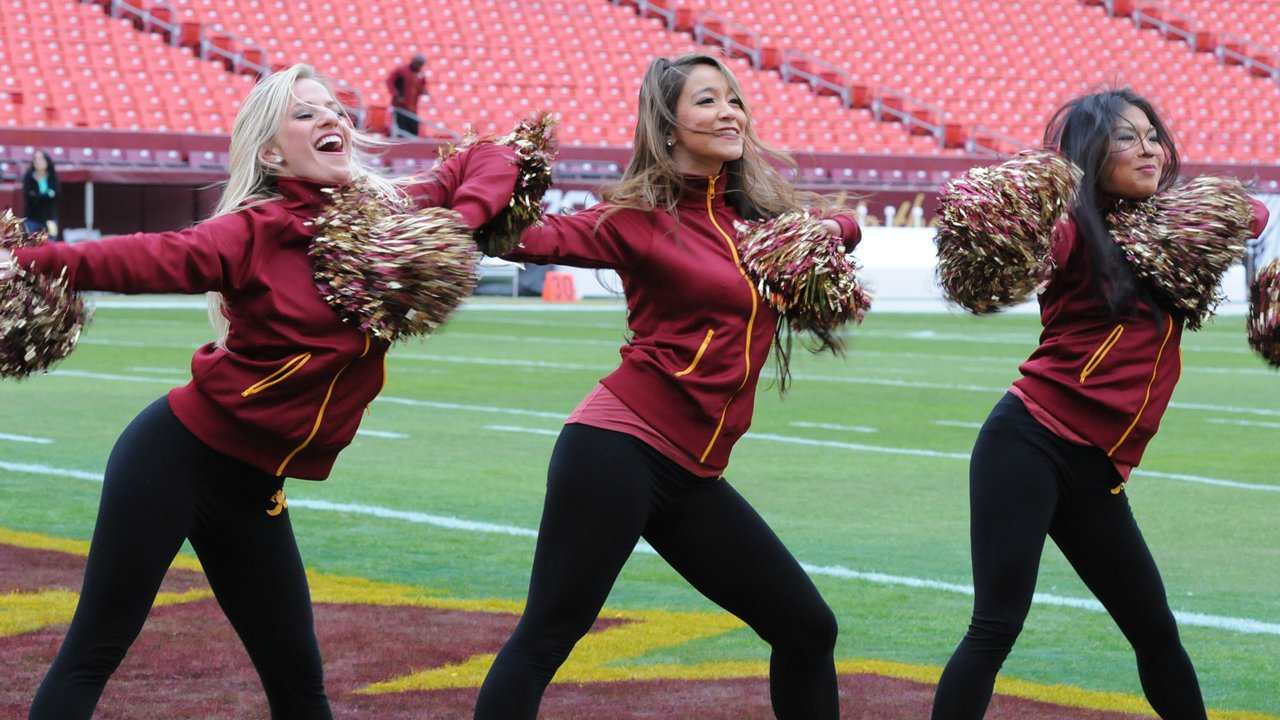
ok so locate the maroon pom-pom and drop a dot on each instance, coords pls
(803, 273)
(389, 272)
(1183, 240)
(1264, 313)
(996, 236)
(40, 317)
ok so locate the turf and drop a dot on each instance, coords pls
(867, 511)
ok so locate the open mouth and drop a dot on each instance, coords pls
(331, 143)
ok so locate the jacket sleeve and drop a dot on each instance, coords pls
(583, 239)
(208, 257)
(30, 190)
(850, 231)
(477, 182)
(1260, 216)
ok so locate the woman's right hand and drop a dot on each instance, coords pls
(7, 265)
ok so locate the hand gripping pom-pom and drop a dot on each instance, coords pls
(996, 238)
(534, 142)
(391, 273)
(1182, 241)
(1264, 313)
(803, 273)
(40, 317)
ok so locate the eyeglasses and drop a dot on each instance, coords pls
(1123, 141)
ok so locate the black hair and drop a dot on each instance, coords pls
(1081, 130)
(50, 170)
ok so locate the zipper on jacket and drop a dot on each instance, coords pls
(282, 373)
(698, 356)
(751, 321)
(1101, 353)
(324, 404)
(1147, 398)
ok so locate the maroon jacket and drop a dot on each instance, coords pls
(700, 333)
(288, 391)
(403, 82)
(1107, 380)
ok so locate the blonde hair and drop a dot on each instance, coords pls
(652, 181)
(252, 179)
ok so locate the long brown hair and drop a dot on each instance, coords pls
(652, 182)
(753, 186)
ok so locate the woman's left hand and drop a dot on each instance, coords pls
(832, 227)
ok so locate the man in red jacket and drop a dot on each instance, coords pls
(407, 86)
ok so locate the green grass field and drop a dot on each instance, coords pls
(845, 504)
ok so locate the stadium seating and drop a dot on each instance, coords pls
(67, 64)
(490, 61)
(1256, 20)
(1009, 65)
(992, 69)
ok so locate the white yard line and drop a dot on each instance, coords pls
(959, 424)
(1190, 619)
(26, 439)
(833, 426)
(382, 434)
(759, 436)
(1244, 423)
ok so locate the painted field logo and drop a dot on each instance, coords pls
(394, 651)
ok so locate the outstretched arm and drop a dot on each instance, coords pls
(591, 238)
(211, 256)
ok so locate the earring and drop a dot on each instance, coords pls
(671, 143)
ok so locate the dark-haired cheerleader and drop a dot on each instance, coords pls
(1136, 259)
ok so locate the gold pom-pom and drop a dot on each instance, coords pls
(803, 273)
(534, 142)
(41, 318)
(389, 272)
(996, 238)
(1264, 313)
(1182, 241)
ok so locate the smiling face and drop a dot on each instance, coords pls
(1135, 160)
(710, 120)
(40, 161)
(314, 139)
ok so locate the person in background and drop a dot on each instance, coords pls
(40, 193)
(407, 86)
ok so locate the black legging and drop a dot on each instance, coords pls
(1024, 483)
(606, 490)
(162, 486)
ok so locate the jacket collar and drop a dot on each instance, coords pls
(302, 194)
(697, 187)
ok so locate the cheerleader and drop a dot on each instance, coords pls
(1135, 260)
(644, 452)
(278, 394)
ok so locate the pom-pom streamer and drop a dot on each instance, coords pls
(1182, 241)
(1264, 313)
(995, 242)
(535, 145)
(390, 273)
(41, 318)
(803, 273)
